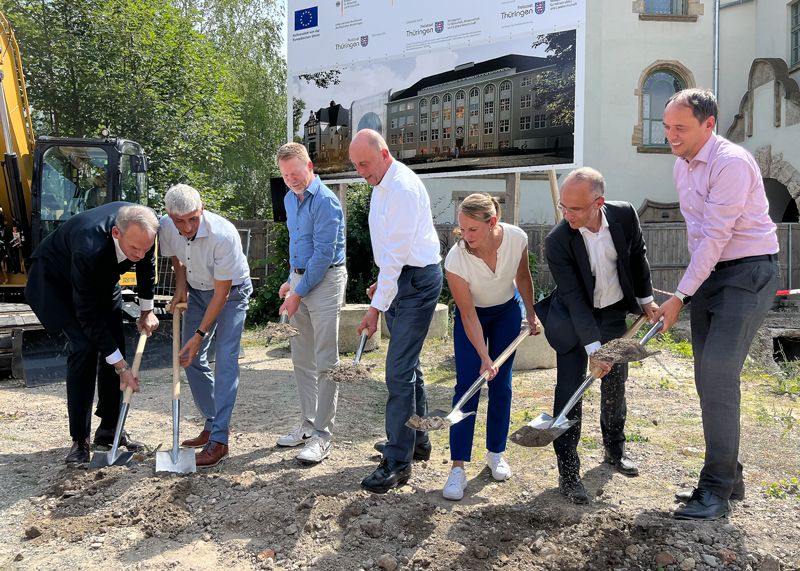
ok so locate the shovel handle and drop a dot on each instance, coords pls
(137, 362)
(479, 382)
(361, 344)
(284, 317)
(176, 349)
(634, 329)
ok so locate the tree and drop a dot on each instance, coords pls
(554, 90)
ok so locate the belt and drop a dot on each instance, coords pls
(301, 271)
(746, 259)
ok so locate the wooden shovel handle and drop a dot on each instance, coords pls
(137, 362)
(176, 349)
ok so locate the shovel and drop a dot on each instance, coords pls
(345, 372)
(114, 457)
(178, 460)
(543, 429)
(439, 419)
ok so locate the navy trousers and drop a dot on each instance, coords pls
(408, 319)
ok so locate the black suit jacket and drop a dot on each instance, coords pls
(567, 313)
(75, 275)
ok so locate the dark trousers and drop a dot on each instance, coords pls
(570, 374)
(408, 319)
(85, 365)
(500, 324)
(726, 312)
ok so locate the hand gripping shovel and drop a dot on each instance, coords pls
(439, 419)
(114, 457)
(543, 429)
(179, 460)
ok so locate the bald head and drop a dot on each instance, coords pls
(370, 155)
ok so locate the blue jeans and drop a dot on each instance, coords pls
(214, 391)
(501, 325)
(408, 319)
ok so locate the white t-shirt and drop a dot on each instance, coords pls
(490, 288)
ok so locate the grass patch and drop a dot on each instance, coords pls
(589, 443)
(789, 382)
(783, 489)
(668, 342)
(635, 365)
(665, 384)
(636, 438)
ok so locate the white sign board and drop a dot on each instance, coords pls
(452, 86)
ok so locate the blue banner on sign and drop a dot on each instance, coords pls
(306, 18)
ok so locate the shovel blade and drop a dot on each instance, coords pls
(103, 459)
(184, 464)
(541, 431)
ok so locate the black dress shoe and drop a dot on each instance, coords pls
(105, 439)
(703, 505)
(623, 464)
(389, 474)
(79, 453)
(422, 451)
(736, 495)
(573, 489)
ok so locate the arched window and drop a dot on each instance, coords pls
(474, 92)
(423, 103)
(434, 100)
(447, 98)
(488, 90)
(658, 87)
(505, 86)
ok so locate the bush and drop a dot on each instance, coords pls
(361, 269)
(265, 302)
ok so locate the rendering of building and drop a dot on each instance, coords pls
(326, 134)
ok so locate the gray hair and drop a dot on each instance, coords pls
(702, 102)
(590, 175)
(182, 199)
(138, 214)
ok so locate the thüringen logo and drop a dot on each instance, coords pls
(306, 18)
(539, 7)
(439, 26)
(364, 41)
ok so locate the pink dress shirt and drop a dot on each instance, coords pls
(723, 200)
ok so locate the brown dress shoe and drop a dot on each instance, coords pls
(211, 455)
(197, 442)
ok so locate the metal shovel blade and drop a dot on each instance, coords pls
(113, 457)
(541, 431)
(182, 462)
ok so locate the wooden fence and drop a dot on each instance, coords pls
(666, 251)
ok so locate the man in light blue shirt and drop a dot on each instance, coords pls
(313, 296)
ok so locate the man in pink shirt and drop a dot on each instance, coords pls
(731, 278)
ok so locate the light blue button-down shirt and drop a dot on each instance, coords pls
(316, 233)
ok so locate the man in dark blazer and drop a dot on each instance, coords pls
(598, 260)
(73, 287)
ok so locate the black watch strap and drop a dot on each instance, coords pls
(200, 332)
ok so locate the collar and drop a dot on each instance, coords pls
(389, 174)
(603, 224)
(121, 257)
(705, 151)
(202, 229)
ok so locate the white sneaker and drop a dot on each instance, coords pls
(315, 450)
(295, 438)
(456, 482)
(498, 465)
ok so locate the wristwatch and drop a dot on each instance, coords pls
(682, 296)
(122, 369)
(200, 332)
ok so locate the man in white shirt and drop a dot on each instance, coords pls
(599, 262)
(212, 274)
(406, 250)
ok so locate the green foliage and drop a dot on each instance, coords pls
(555, 90)
(664, 383)
(636, 438)
(787, 383)
(361, 270)
(589, 443)
(667, 341)
(265, 302)
(784, 488)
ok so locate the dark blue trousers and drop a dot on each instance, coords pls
(408, 319)
(500, 324)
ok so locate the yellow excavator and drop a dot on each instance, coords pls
(45, 181)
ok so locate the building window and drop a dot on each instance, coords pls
(474, 109)
(447, 133)
(795, 55)
(525, 123)
(460, 112)
(394, 123)
(505, 88)
(423, 104)
(434, 116)
(488, 107)
(657, 89)
(666, 7)
(423, 118)
(505, 104)
(526, 101)
(505, 144)
(473, 93)
(447, 98)
(434, 134)
(447, 113)
(434, 101)
(393, 109)
(488, 127)
(409, 137)
(540, 121)
(526, 81)
(504, 125)
(423, 136)
(488, 145)
(410, 105)
(488, 90)
(474, 130)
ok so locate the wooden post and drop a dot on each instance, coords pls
(551, 175)
(512, 198)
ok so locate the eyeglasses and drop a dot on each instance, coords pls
(576, 210)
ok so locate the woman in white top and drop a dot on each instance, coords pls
(488, 274)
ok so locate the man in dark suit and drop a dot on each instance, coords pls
(598, 260)
(73, 287)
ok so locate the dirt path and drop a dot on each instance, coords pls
(261, 509)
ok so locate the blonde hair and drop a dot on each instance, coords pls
(291, 151)
(478, 206)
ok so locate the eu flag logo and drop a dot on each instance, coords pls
(306, 18)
